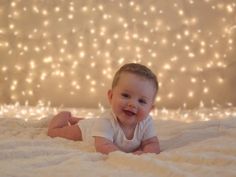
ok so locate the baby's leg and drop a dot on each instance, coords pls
(65, 126)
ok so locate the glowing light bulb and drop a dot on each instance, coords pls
(46, 23)
(93, 82)
(29, 80)
(18, 67)
(100, 7)
(186, 32)
(121, 60)
(125, 25)
(65, 42)
(108, 41)
(181, 12)
(190, 94)
(158, 99)
(4, 68)
(178, 36)
(71, 8)
(45, 12)
(229, 8)
(62, 50)
(183, 69)
(32, 64)
(220, 80)
(193, 80)
(186, 47)
(43, 76)
(131, 3)
(206, 90)
(11, 26)
(85, 9)
(146, 40)
(47, 60)
(37, 49)
(57, 9)
(92, 90)
(35, 9)
(88, 77)
(202, 50)
(164, 41)
(115, 36)
(13, 97)
(170, 95)
(70, 16)
(145, 23)
(135, 35)
(137, 8)
(13, 4)
(152, 8)
(191, 55)
(167, 66)
(153, 55)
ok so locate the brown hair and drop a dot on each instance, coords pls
(138, 69)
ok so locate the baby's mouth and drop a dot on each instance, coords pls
(129, 113)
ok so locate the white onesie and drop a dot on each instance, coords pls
(108, 127)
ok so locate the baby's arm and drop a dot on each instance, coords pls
(104, 145)
(151, 145)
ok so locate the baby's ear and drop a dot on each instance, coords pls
(109, 95)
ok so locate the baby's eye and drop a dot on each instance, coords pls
(142, 101)
(125, 95)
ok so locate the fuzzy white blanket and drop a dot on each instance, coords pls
(198, 148)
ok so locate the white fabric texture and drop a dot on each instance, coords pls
(195, 148)
(108, 127)
(86, 127)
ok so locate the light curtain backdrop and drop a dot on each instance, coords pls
(65, 52)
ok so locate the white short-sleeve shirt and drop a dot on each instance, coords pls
(108, 127)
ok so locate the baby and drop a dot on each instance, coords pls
(127, 126)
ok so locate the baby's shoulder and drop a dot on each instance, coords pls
(147, 119)
(105, 117)
(146, 122)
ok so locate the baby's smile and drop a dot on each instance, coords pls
(129, 113)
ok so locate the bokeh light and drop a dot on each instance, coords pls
(59, 52)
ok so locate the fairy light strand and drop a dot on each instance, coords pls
(68, 51)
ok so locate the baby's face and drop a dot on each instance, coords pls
(132, 98)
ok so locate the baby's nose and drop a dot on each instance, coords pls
(131, 104)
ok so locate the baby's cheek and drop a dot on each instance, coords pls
(143, 114)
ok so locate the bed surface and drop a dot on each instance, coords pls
(201, 143)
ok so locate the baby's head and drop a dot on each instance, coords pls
(139, 70)
(133, 93)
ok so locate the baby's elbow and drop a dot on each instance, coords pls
(51, 133)
(101, 150)
(155, 149)
(105, 148)
(152, 149)
(158, 151)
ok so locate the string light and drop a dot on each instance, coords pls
(46, 44)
